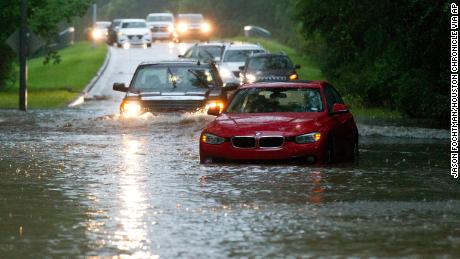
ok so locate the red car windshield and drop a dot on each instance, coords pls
(268, 100)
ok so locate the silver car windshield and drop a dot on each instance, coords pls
(267, 100)
(129, 25)
(160, 18)
(240, 55)
(170, 79)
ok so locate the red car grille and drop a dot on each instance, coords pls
(271, 142)
(252, 142)
(244, 142)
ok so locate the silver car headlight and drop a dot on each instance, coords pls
(251, 78)
(212, 139)
(225, 73)
(308, 138)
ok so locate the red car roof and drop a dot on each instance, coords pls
(293, 84)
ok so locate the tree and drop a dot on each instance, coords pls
(44, 17)
(391, 53)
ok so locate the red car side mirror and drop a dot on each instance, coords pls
(339, 108)
(214, 111)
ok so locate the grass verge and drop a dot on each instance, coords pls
(311, 71)
(55, 85)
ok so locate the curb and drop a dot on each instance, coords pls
(81, 97)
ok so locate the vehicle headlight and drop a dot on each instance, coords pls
(182, 27)
(251, 78)
(171, 28)
(96, 34)
(131, 108)
(225, 73)
(293, 77)
(308, 138)
(212, 139)
(205, 27)
(214, 104)
(120, 34)
(146, 34)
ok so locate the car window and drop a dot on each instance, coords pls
(240, 55)
(269, 63)
(207, 51)
(170, 79)
(128, 25)
(189, 52)
(191, 18)
(160, 18)
(265, 100)
(332, 97)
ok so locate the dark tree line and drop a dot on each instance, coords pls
(389, 53)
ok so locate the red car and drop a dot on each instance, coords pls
(303, 121)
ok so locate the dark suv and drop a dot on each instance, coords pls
(173, 86)
(268, 67)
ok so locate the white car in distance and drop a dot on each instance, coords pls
(133, 32)
(161, 25)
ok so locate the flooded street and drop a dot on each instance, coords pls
(84, 182)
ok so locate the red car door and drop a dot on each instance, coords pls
(342, 126)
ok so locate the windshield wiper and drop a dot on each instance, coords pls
(203, 83)
(173, 79)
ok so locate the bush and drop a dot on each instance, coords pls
(391, 53)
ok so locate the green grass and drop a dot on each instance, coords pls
(55, 85)
(38, 99)
(310, 71)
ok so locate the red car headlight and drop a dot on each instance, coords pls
(308, 138)
(212, 139)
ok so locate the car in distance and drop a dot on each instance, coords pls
(268, 67)
(99, 32)
(303, 121)
(172, 86)
(112, 31)
(133, 32)
(211, 51)
(192, 27)
(234, 56)
(161, 25)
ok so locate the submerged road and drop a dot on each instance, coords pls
(85, 182)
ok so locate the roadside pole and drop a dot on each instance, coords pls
(94, 23)
(23, 58)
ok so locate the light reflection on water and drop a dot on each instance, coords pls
(132, 233)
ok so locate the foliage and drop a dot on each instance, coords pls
(391, 53)
(44, 17)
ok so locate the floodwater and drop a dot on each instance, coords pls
(81, 182)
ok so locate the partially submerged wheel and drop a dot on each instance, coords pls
(329, 152)
(355, 158)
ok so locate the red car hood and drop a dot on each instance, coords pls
(247, 124)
